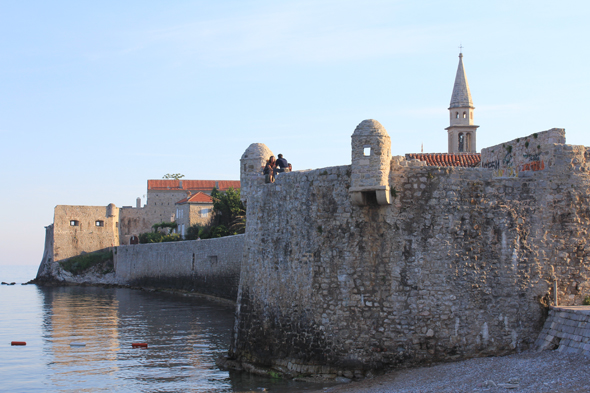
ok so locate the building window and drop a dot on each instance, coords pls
(367, 151)
(456, 115)
(464, 115)
(461, 142)
(204, 213)
(74, 223)
(99, 223)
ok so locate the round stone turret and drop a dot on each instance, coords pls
(371, 160)
(251, 166)
(111, 208)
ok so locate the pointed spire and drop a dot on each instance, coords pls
(461, 97)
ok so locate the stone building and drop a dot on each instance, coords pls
(80, 229)
(194, 209)
(162, 196)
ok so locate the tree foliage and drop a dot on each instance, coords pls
(164, 225)
(174, 176)
(158, 237)
(229, 217)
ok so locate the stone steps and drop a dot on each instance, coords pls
(567, 329)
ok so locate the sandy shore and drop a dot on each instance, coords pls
(529, 372)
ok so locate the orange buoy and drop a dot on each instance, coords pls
(139, 345)
(18, 343)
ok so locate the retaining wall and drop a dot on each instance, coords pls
(567, 329)
(210, 266)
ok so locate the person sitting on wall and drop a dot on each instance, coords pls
(282, 164)
(269, 170)
(290, 168)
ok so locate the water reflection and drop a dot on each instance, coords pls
(184, 337)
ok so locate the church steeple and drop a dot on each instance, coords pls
(462, 130)
(461, 95)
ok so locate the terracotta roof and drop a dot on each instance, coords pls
(192, 185)
(199, 197)
(468, 160)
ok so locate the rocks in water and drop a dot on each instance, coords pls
(342, 380)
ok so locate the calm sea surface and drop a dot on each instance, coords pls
(184, 337)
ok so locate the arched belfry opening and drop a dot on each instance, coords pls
(461, 131)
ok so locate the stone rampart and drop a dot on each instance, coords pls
(458, 265)
(523, 156)
(210, 266)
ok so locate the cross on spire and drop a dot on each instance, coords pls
(461, 48)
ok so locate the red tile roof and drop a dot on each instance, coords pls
(467, 160)
(192, 185)
(199, 197)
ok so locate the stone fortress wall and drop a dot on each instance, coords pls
(210, 266)
(81, 229)
(451, 263)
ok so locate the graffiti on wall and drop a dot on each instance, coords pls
(534, 163)
(508, 168)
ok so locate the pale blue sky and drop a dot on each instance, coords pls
(98, 97)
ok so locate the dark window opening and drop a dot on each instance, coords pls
(464, 115)
(99, 223)
(370, 198)
(74, 223)
(461, 142)
(456, 115)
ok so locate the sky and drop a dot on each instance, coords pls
(98, 97)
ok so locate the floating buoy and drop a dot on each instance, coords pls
(77, 344)
(18, 343)
(139, 345)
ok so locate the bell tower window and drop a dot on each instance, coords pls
(461, 142)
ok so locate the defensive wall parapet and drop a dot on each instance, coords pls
(210, 266)
(459, 265)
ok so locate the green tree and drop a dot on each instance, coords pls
(174, 176)
(229, 217)
(228, 208)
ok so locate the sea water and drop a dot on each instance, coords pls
(184, 337)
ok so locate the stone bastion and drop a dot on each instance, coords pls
(389, 263)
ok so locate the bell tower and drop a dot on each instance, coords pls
(462, 131)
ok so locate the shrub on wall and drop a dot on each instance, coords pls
(79, 264)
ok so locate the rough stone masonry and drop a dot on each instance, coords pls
(453, 263)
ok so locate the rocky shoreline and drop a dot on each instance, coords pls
(526, 372)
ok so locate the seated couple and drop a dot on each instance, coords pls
(273, 167)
